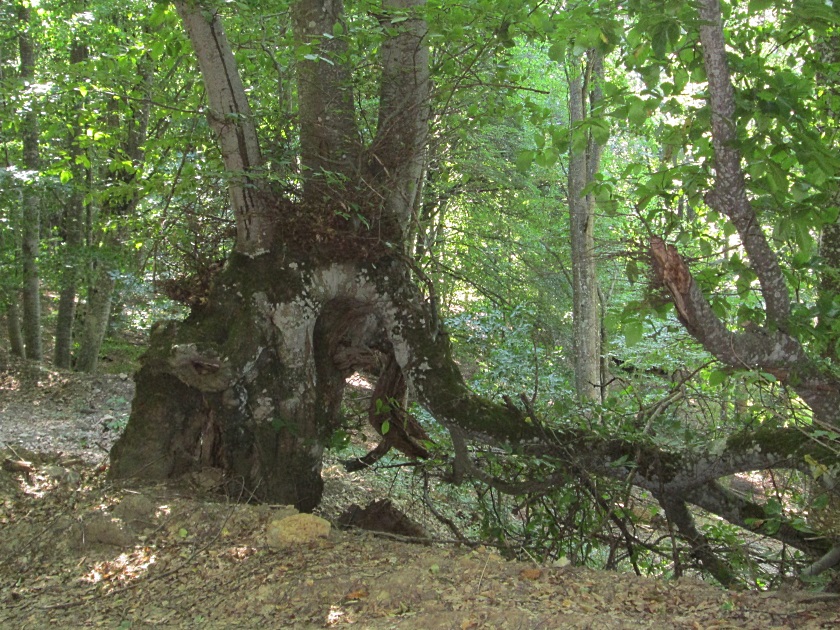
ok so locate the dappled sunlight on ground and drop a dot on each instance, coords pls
(123, 568)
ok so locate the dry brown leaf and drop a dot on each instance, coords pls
(359, 593)
(530, 574)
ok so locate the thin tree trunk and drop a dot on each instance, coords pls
(829, 285)
(13, 324)
(64, 323)
(73, 233)
(238, 142)
(30, 198)
(584, 162)
(399, 148)
(66, 315)
(97, 312)
(10, 293)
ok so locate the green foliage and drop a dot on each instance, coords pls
(122, 356)
(339, 440)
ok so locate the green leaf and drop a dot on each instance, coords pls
(386, 426)
(633, 333)
(557, 51)
(600, 131)
(820, 502)
(65, 176)
(632, 271)
(524, 160)
(716, 377)
(548, 157)
(637, 113)
(158, 49)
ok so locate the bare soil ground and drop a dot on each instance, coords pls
(77, 551)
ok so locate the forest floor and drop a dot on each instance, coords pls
(78, 551)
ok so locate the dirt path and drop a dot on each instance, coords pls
(76, 551)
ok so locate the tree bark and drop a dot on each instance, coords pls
(13, 326)
(397, 155)
(97, 313)
(729, 196)
(584, 162)
(31, 199)
(230, 116)
(74, 213)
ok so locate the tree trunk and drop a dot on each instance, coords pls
(66, 316)
(584, 163)
(10, 292)
(828, 48)
(237, 140)
(249, 384)
(403, 114)
(13, 326)
(252, 381)
(31, 197)
(97, 312)
(74, 213)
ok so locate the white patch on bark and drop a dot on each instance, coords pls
(248, 368)
(295, 322)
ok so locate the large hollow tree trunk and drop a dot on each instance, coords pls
(252, 382)
(245, 385)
